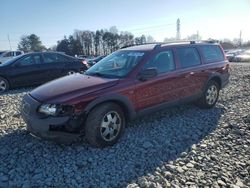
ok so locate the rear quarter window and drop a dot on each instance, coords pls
(212, 54)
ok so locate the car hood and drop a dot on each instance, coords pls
(243, 56)
(70, 87)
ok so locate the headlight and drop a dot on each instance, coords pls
(56, 109)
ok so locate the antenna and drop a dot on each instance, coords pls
(178, 25)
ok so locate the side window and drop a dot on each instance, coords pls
(9, 54)
(212, 54)
(61, 58)
(18, 53)
(189, 57)
(163, 61)
(50, 58)
(30, 60)
(37, 59)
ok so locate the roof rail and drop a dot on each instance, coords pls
(159, 44)
(205, 41)
(156, 43)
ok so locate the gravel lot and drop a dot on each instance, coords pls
(178, 147)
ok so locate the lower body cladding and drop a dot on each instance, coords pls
(59, 129)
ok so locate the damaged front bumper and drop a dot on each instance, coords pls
(50, 128)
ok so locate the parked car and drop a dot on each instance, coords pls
(231, 54)
(7, 55)
(243, 57)
(84, 57)
(37, 68)
(1, 52)
(90, 62)
(129, 82)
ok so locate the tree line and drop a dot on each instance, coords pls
(86, 42)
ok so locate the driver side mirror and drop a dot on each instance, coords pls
(148, 73)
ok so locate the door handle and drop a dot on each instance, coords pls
(189, 74)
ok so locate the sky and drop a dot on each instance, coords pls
(51, 20)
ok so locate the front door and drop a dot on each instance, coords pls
(162, 88)
(26, 71)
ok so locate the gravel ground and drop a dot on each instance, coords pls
(178, 147)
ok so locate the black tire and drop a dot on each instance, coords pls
(69, 72)
(98, 117)
(204, 101)
(4, 85)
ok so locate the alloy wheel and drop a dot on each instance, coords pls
(3, 85)
(212, 94)
(110, 126)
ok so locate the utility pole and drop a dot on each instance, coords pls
(240, 38)
(197, 35)
(178, 25)
(9, 41)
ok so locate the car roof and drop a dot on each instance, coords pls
(152, 46)
(51, 52)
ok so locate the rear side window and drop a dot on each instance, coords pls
(212, 54)
(188, 57)
(163, 61)
(61, 58)
(53, 58)
(18, 53)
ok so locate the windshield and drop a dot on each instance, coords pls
(116, 65)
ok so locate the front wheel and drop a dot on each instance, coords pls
(4, 85)
(105, 125)
(70, 72)
(210, 96)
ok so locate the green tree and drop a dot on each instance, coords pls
(31, 43)
(75, 46)
(63, 46)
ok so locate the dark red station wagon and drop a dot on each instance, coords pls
(129, 82)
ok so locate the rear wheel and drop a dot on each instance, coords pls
(105, 125)
(210, 96)
(4, 85)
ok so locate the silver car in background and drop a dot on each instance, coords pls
(7, 55)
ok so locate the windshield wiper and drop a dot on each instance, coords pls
(98, 74)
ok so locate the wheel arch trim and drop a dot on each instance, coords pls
(213, 76)
(121, 100)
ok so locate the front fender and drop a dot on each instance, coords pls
(121, 100)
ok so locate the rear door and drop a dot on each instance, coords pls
(191, 74)
(164, 87)
(53, 66)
